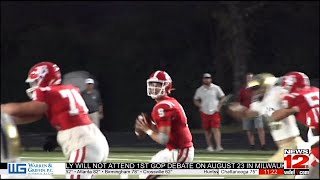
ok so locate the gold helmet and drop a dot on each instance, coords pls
(266, 80)
(10, 140)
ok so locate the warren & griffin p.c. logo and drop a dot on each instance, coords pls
(17, 168)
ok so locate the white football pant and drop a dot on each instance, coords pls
(96, 152)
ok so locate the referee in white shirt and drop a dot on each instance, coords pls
(207, 99)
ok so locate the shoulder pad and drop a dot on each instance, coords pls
(165, 103)
(290, 96)
(44, 88)
(294, 94)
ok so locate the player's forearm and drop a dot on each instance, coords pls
(249, 114)
(13, 109)
(159, 137)
(281, 114)
(26, 119)
(155, 137)
(22, 109)
(237, 111)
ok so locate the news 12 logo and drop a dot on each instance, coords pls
(17, 168)
(296, 158)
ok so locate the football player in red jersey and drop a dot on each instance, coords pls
(171, 123)
(80, 139)
(303, 102)
(313, 141)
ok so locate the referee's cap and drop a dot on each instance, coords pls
(89, 81)
(206, 75)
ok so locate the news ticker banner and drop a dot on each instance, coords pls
(195, 168)
(295, 162)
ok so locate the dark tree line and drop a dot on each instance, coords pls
(122, 43)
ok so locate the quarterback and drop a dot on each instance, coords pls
(171, 123)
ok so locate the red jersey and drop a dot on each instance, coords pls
(169, 112)
(66, 108)
(305, 100)
(313, 118)
(245, 97)
(313, 123)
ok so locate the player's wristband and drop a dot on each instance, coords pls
(149, 132)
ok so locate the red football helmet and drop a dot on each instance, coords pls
(294, 80)
(42, 75)
(159, 84)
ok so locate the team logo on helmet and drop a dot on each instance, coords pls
(42, 75)
(39, 72)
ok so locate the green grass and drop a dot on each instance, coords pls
(144, 155)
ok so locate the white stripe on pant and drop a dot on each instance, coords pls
(97, 152)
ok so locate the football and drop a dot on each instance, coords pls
(139, 133)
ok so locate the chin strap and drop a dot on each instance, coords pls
(30, 92)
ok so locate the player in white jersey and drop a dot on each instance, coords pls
(285, 133)
(10, 148)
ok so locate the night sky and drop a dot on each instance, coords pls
(122, 43)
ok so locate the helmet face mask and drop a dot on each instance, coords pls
(159, 84)
(288, 87)
(259, 91)
(156, 89)
(33, 85)
(288, 82)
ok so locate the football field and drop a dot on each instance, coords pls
(145, 154)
